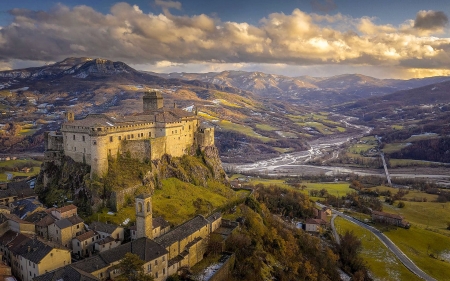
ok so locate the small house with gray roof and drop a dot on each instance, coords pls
(84, 244)
(31, 257)
(107, 229)
(64, 230)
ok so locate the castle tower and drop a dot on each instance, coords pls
(144, 218)
(69, 116)
(152, 101)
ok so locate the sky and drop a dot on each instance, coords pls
(384, 39)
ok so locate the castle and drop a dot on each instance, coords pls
(149, 135)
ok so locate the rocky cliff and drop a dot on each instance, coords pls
(67, 180)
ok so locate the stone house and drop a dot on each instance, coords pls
(84, 244)
(186, 243)
(42, 221)
(31, 257)
(64, 230)
(388, 218)
(64, 212)
(13, 222)
(106, 243)
(102, 265)
(312, 225)
(108, 230)
(36, 257)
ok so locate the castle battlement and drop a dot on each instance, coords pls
(148, 135)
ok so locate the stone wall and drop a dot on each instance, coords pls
(224, 272)
(139, 149)
(117, 199)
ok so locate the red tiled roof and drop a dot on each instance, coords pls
(86, 235)
(66, 208)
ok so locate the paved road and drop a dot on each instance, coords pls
(333, 228)
(391, 246)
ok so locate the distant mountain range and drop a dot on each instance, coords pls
(254, 113)
(310, 91)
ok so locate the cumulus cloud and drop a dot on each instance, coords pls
(430, 20)
(299, 38)
(325, 7)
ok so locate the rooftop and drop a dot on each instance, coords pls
(64, 223)
(159, 222)
(66, 208)
(388, 215)
(146, 249)
(86, 235)
(103, 227)
(182, 231)
(66, 273)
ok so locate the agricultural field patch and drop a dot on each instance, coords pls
(266, 127)
(228, 125)
(383, 264)
(427, 249)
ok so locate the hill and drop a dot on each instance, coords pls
(33, 100)
(306, 90)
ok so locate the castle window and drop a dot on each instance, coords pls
(94, 143)
(189, 127)
(111, 139)
(84, 139)
(132, 136)
(109, 151)
(150, 134)
(128, 136)
(73, 137)
(74, 148)
(139, 207)
(120, 137)
(148, 207)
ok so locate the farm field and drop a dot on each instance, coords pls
(11, 165)
(332, 187)
(383, 264)
(227, 125)
(427, 249)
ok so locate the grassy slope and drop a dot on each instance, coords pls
(175, 202)
(418, 244)
(383, 264)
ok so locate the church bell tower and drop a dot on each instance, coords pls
(144, 217)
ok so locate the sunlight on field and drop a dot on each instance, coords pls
(228, 125)
(266, 127)
(382, 262)
(420, 245)
(393, 147)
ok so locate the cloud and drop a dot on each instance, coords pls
(430, 20)
(326, 7)
(166, 5)
(128, 34)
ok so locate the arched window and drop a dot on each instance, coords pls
(139, 207)
(148, 207)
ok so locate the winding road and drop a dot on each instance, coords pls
(387, 242)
